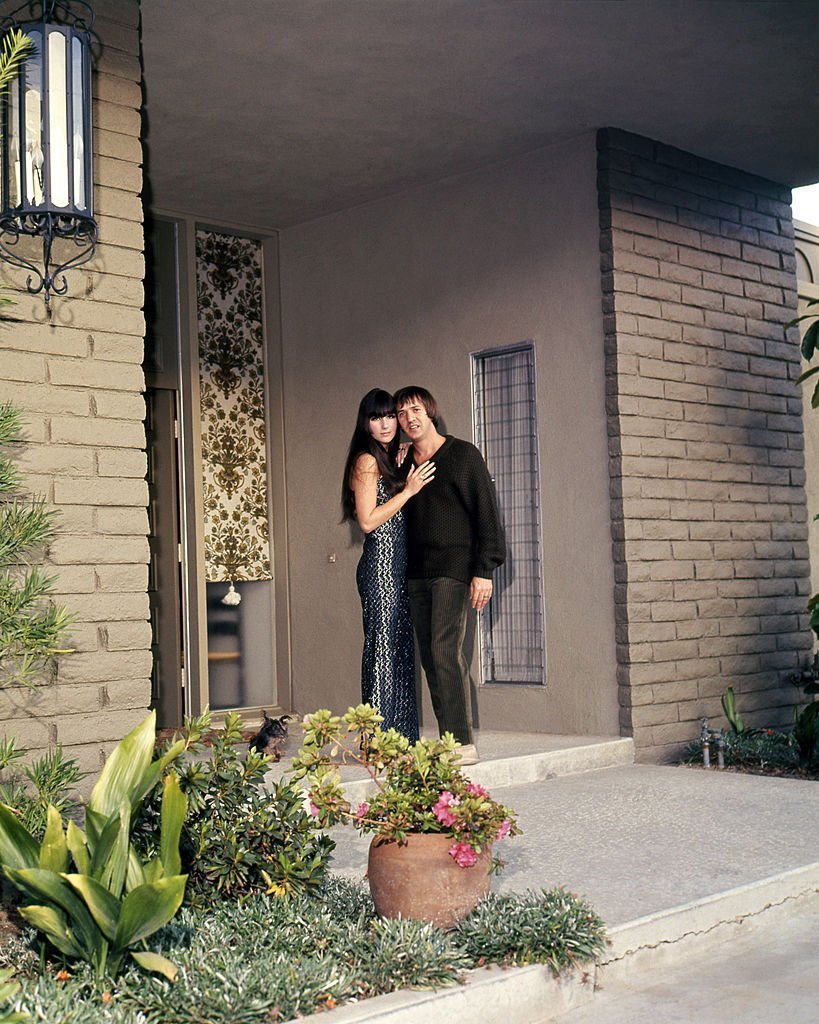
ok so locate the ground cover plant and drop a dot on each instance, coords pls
(267, 959)
(793, 752)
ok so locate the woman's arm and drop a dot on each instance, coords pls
(364, 484)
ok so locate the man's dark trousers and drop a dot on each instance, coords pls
(439, 609)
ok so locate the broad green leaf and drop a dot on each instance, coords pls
(174, 808)
(155, 770)
(814, 398)
(810, 340)
(53, 923)
(153, 871)
(103, 906)
(808, 373)
(39, 884)
(136, 872)
(109, 862)
(157, 963)
(75, 841)
(122, 775)
(149, 907)
(54, 851)
(18, 848)
(116, 867)
(95, 823)
(171, 754)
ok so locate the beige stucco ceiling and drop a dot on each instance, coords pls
(269, 112)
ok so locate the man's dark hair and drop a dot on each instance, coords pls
(421, 395)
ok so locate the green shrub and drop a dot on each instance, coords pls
(239, 836)
(760, 750)
(88, 891)
(32, 627)
(806, 735)
(551, 927)
(51, 780)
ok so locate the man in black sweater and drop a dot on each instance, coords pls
(455, 541)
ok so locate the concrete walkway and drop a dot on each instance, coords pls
(676, 860)
(765, 977)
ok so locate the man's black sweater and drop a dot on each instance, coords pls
(453, 524)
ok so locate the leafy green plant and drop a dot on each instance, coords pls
(810, 343)
(112, 900)
(731, 713)
(806, 721)
(50, 780)
(806, 735)
(552, 927)
(240, 835)
(16, 48)
(32, 627)
(418, 788)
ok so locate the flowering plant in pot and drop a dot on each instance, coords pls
(419, 791)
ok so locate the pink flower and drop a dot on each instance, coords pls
(463, 854)
(475, 790)
(313, 809)
(441, 809)
(503, 831)
(361, 812)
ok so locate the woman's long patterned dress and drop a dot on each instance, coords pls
(388, 659)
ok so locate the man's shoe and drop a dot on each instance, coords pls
(469, 754)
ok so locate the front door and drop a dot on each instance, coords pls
(212, 588)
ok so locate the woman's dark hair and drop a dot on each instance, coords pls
(374, 404)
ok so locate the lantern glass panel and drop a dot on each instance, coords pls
(78, 128)
(57, 119)
(15, 186)
(33, 184)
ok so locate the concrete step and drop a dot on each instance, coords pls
(533, 995)
(677, 860)
(516, 759)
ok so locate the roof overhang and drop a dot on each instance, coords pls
(272, 112)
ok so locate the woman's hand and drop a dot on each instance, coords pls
(419, 476)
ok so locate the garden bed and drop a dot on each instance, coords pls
(265, 959)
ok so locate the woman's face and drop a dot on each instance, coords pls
(384, 428)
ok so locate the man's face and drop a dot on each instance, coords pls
(413, 420)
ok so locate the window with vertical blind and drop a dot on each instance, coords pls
(513, 648)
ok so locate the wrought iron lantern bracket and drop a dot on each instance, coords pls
(46, 174)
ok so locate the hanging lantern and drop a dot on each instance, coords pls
(46, 176)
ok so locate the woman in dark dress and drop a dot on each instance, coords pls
(373, 495)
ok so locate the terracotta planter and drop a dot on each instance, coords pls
(420, 880)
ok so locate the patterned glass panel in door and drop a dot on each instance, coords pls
(234, 465)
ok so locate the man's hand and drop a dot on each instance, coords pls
(480, 591)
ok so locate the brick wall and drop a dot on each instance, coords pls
(706, 444)
(78, 380)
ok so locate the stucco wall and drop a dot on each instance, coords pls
(807, 275)
(401, 291)
(78, 380)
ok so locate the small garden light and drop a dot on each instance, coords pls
(46, 176)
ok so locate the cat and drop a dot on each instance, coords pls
(271, 737)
